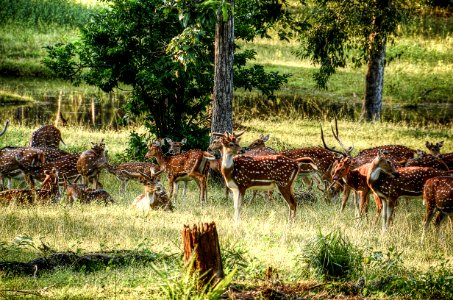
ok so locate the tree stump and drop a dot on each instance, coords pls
(202, 252)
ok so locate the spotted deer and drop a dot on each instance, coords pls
(437, 196)
(446, 158)
(190, 165)
(154, 196)
(434, 149)
(77, 192)
(14, 161)
(90, 163)
(242, 173)
(391, 183)
(48, 193)
(46, 136)
(426, 160)
(122, 171)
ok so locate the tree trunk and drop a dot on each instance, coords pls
(374, 85)
(222, 97)
(374, 82)
(202, 252)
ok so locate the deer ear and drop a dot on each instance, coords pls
(266, 138)
(168, 140)
(184, 141)
(440, 144)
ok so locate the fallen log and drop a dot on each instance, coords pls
(86, 262)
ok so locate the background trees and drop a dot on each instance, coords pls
(163, 51)
(335, 32)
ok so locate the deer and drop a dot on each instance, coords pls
(242, 173)
(48, 193)
(446, 158)
(90, 163)
(154, 196)
(123, 170)
(190, 165)
(437, 196)
(391, 183)
(76, 192)
(426, 160)
(14, 161)
(46, 136)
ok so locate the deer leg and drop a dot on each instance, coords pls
(346, 192)
(288, 195)
(427, 219)
(378, 202)
(384, 215)
(171, 183)
(123, 186)
(237, 199)
(253, 195)
(440, 218)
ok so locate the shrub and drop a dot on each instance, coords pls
(332, 256)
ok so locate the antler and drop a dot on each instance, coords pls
(330, 149)
(337, 137)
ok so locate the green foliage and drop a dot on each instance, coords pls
(165, 53)
(137, 147)
(386, 274)
(335, 32)
(186, 285)
(332, 256)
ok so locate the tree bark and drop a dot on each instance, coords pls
(202, 252)
(374, 82)
(222, 97)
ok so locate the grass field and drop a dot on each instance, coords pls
(263, 239)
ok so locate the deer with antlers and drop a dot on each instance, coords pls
(154, 196)
(90, 163)
(190, 165)
(243, 172)
(48, 193)
(46, 136)
(437, 196)
(390, 183)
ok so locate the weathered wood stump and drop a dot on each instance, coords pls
(202, 252)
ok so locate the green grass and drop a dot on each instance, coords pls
(263, 239)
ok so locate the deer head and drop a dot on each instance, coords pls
(434, 148)
(259, 143)
(175, 147)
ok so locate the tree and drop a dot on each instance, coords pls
(222, 96)
(163, 51)
(336, 30)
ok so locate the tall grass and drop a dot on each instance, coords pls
(263, 239)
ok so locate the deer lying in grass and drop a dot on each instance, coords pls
(437, 196)
(154, 196)
(80, 193)
(243, 172)
(48, 193)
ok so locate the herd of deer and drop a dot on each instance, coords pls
(387, 172)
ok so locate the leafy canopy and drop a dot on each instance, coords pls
(163, 50)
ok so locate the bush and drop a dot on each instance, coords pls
(332, 256)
